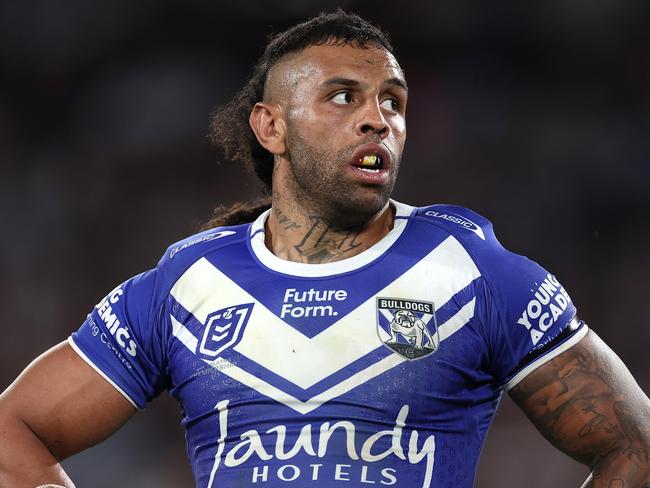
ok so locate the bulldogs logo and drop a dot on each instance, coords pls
(407, 327)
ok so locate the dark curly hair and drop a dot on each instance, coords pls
(229, 129)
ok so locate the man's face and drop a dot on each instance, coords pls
(345, 119)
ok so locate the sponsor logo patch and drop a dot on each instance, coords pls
(109, 313)
(205, 238)
(408, 327)
(549, 302)
(311, 303)
(253, 450)
(458, 220)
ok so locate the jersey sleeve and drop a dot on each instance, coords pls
(528, 316)
(532, 318)
(121, 340)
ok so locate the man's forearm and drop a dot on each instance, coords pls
(24, 460)
(621, 469)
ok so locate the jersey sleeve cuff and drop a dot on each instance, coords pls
(581, 331)
(83, 356)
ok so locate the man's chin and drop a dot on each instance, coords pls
(358, 210)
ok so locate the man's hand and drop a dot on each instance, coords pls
(586, 403)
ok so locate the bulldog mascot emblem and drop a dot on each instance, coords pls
(407, 327)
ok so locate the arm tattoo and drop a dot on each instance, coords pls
(587, 404)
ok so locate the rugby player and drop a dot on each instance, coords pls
(331, 336)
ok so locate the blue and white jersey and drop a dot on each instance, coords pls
(385, 368)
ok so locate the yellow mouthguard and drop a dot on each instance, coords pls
(369, 160)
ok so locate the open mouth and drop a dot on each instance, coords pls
(371, 163)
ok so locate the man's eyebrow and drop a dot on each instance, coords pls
(340, 81)
(399, 82)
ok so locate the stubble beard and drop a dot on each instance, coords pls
(321, 189)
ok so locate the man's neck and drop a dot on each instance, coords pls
(302, 236)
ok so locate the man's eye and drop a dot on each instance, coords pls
(390, 104)
(342, 98)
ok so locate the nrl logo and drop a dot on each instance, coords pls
(223, 329)
(411, 326)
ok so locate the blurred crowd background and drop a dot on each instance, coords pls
(535, 114)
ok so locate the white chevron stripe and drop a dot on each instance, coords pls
(184, 335)
(299, 406)
(304, 361)
(460, 318)
(451, 326)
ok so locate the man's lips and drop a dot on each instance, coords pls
(371, 156)
(371, 164)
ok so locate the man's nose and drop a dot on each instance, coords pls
(372, 121)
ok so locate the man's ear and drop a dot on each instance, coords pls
(269, 128)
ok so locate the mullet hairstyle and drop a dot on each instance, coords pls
(229, 127)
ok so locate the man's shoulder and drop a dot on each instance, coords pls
(182, 254)
(464, 224)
